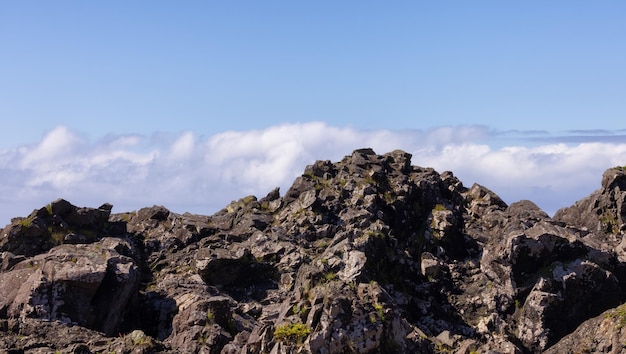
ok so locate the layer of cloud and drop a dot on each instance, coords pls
(188, 172)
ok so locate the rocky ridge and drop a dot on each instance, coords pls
(366, 255)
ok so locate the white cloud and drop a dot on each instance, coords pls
(186, 172)
(57, 145)
(183, 147)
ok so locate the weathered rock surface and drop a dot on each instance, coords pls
(366, 255)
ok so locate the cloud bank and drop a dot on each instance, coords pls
(202, 174)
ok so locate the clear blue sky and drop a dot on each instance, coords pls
(211, 66)
(191, 104)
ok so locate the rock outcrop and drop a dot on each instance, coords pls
(366, 255)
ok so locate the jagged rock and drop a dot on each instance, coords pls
(603, 213)
(365, 255)
(50, 226)
(602, 334)
(88, 285)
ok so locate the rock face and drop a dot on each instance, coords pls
(366, 255)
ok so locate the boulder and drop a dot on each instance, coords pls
(88, 285)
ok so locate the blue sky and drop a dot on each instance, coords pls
(94, 89)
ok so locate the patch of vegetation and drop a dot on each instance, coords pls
(330, 276)
(49, 208)
(440, 207)
(265, 206)
(249, 199)
(299, 310)
(442, 348)
(375, 234)
(140, 340)
(610, 222)
(381, 311)
(323, 244)
(370, 180)
(292, 332)
(26, 222)
(620, 315)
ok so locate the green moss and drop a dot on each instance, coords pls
(619, 314)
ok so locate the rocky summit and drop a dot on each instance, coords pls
(366, 255)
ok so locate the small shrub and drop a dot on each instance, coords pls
(370, 180)
(375, 234)
(330, 276)
(57, 237)
(27, 222)
(292, 332)
(439, 207)
(381, 311)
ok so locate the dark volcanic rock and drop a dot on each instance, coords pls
(366, 255)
